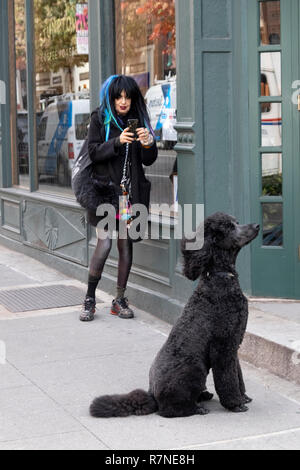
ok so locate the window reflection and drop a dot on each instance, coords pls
(272, 174)
(272, 224)
(1, 102)
(21, 95)
(270, 70)
(270, 22)
(271, 125)
(146, 50)
(62, 88)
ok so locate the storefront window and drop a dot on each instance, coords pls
(21, 96)
(146, 50)
(2, 102)
(1, 182)
(272, 224)
(62, 88)
(270, 22)
(272, 174)
(271, 124)
(270, 72)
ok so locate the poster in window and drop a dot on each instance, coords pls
(82, 29)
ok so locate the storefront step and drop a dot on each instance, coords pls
(272, 340)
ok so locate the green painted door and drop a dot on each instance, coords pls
(274, 86)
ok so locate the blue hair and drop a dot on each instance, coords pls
(105, 106)
(110, 90)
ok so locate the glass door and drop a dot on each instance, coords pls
(273, 146)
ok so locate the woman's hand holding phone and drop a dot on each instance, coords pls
(141, 134)
(144, 137)
(127, 137)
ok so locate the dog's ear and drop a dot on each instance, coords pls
(196, 262)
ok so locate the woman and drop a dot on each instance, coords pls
(110, 144)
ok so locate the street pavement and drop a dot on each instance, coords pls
(52, 366)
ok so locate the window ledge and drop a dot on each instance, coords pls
(66, 201)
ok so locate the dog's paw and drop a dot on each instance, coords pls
(246, 399)
(205, 396)
(201, 410)
(239, 409)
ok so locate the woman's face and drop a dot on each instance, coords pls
(122, 104)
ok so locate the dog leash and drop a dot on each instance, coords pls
(124, 179)
(125, 212)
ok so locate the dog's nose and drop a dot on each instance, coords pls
(256, 226)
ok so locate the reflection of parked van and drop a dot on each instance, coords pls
(271, 118)
(161, 103)
(271, 136)
(61, 132)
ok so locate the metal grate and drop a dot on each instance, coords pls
(40, 298)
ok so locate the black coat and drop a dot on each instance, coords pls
(109, 157)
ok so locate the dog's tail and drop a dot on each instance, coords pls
(137, 403)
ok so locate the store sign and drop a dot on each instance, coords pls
(56, 26)
(2, 92)
(82, 29)
(43, 82)
(57, 80)
(50, 57)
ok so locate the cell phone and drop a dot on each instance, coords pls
(133, 124)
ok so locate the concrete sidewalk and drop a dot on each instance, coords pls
(55, 365)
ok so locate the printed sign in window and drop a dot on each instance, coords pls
(82, 29)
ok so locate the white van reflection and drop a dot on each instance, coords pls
(162, 106)
(61, 132)
(271, 119)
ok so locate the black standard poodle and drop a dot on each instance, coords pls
(206, 336)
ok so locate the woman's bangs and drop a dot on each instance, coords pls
(120, 84)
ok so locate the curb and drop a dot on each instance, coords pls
(276, 358)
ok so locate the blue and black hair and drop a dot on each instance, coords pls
(111, 90)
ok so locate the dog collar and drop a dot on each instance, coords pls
(227, 275)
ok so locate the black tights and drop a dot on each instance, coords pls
(99, 259)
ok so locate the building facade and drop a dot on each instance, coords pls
(220, 78)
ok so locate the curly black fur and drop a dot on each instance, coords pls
(90, 189)
(207, 335)
(137, 403)
(95, 190)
